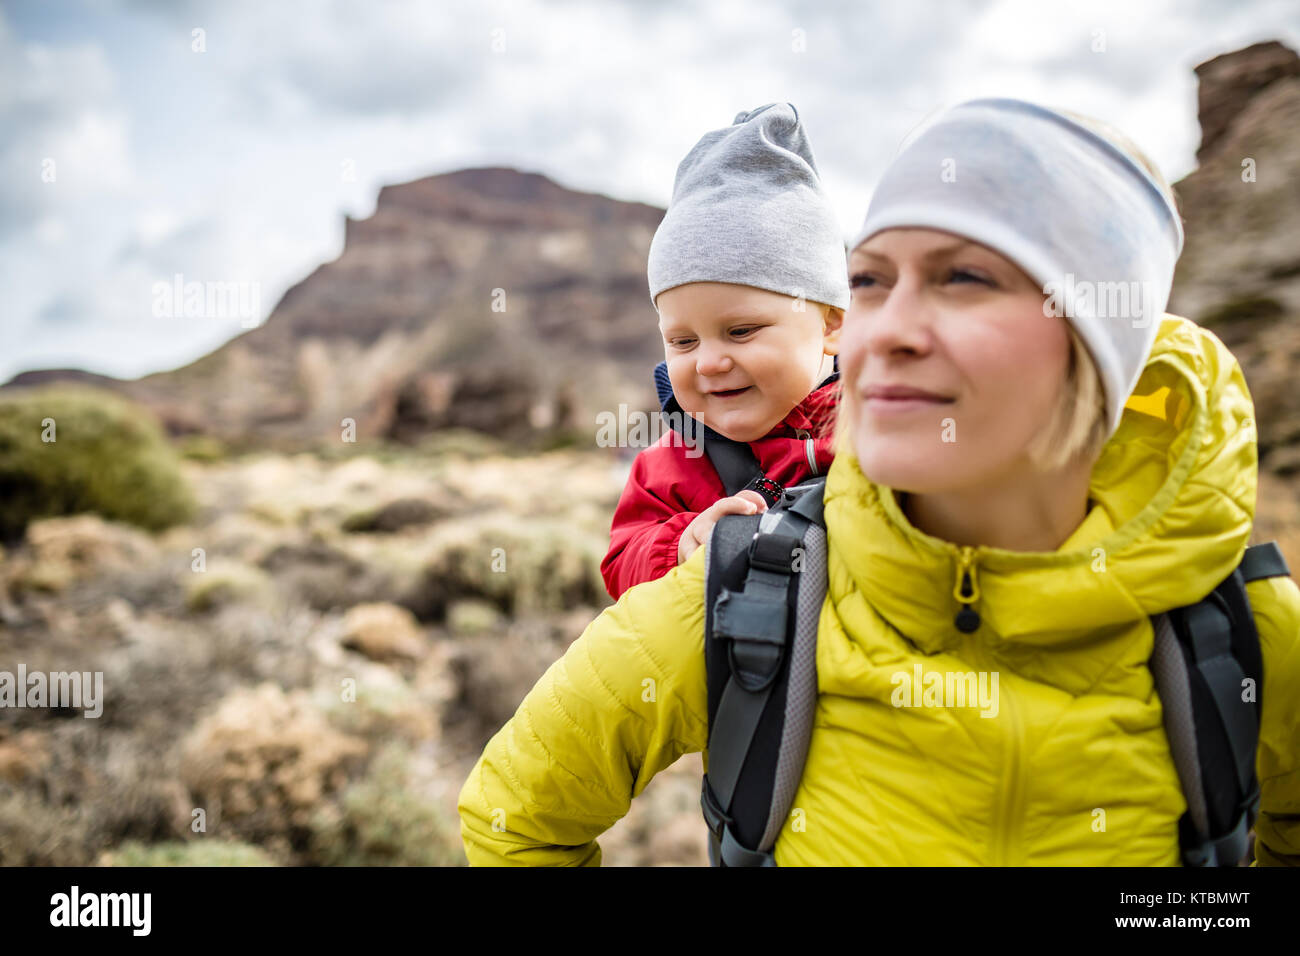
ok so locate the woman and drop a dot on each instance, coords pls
(1032, 460)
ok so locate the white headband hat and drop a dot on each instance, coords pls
(1073, 210)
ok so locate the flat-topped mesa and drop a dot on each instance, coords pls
(489, 299)
(496, 197)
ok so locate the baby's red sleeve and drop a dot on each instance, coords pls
(647, 525)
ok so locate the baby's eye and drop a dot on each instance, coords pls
(966, 276)
(743, 331)
(681, 343)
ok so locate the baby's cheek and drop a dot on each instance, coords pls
(682, 387)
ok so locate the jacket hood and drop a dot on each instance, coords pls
(1173, 501)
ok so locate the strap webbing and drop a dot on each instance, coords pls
(1210, 639)
(734, 462)
(734, 727)
(1264, 561)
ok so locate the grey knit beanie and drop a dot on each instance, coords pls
(748, 208)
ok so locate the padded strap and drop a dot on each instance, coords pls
(1264, 561)
(1169, 667)
(1209, 632)
(755, 623)
(734, 462)
(1225, 851)
(733, 854)
(733, 730)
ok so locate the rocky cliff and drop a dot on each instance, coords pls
(1240, 269)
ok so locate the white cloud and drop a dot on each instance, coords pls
(227, 164)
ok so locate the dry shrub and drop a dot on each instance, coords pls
(326, 578)
(226, 583)
(62, 551)
(383, 632)
(385, 707)
(263, 760)
(523, 567)
(495, 672)
(35, 833)
(384, 820)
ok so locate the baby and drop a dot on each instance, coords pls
(747, 272)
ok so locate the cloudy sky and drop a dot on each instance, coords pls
(133, 148)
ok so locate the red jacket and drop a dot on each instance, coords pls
(668, 488)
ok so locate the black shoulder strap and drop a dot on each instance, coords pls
(734, 461)
(1209, 669)
(1263, 561)
(756, 613)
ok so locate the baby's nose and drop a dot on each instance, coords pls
(713, 360)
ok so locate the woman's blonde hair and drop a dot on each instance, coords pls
(1079, 425)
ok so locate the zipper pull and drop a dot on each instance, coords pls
(967, 592)
(810, 448)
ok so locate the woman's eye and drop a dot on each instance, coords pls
(860, 280)
(965, 275)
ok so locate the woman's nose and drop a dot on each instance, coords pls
(901, 323)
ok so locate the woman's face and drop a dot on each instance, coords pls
(935, 313)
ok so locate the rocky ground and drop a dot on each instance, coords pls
(228, 646)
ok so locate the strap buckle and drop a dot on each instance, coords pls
(714, 817)
(1229, 849)
(773, 552)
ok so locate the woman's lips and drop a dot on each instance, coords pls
(902, 406)
(897, 400)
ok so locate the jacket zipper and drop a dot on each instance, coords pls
(1010, 796)
(810, 449)
(1006, 818)
(1009, 805)
(967, 591)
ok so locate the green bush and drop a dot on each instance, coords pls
(521, 566)
(384, 821)
(228, 583)
(108, 456)
(204, 448)
(201, 852)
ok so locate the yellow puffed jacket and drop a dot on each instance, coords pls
(1078, 726)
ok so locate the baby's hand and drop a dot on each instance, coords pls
(697, 532)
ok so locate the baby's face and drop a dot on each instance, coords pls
(741, 358)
